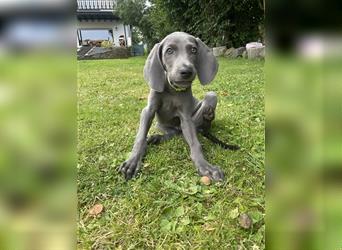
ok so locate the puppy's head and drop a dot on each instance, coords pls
(176, 60)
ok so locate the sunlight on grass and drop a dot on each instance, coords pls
(166, 206)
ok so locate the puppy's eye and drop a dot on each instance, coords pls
(169, 51)
(193, 50)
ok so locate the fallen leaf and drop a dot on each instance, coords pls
(255, 247)
(96, 209)
(208, 227)
(193, 189)
(165, 225)
(185, 221)
(245, 221)
(179, 211)
(210, 217)
(256, 216)
(234, 213)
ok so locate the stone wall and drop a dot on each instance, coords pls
(104, 53)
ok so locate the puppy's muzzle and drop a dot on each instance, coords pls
(186, 73)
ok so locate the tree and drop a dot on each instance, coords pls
(136, 13)
(216, 22)
(130, 11)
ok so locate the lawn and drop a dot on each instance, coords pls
(166, 207)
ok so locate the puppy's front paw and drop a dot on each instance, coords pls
(130, 168)
(213, 172)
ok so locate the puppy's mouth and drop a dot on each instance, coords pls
(183, 83)
(179, 85)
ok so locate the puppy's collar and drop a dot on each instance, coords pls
(178, 89)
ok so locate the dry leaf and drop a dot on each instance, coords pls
(96, 209)
(245, 221)
(233, 214)
(208, 227)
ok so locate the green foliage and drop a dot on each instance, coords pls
(106, 44)
(216, 22)
(137, 36)
(137, 14)
(130, 11)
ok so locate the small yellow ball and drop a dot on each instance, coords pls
(205, 180)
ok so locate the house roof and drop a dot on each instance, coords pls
(96, 10)
(91, 15)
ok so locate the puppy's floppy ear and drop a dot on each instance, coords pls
(206, 64)
(154, 72)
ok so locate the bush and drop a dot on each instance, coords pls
(106, 44)
(216, 22)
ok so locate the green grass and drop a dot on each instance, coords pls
(166, 207)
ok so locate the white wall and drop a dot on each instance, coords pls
(129, 35)
(116, 26)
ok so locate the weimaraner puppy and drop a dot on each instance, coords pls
(170, 69)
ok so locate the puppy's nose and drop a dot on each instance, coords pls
(186, 73)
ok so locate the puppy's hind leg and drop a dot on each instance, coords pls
(204, 115)
(204, 112)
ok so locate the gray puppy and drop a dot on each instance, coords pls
(170, 69)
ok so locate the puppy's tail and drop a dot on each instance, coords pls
(215, 140)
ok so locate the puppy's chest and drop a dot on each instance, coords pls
(169, 107)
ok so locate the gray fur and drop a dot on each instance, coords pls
(169, 74)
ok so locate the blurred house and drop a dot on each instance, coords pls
(97, 22)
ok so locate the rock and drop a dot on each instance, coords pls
(255, 50)
(244, 54)
(253, 45)
(245, 221)
(234, 53)
(230, 53)
(219, 51)
(105, 53)
(256, 53)
(240, 51)
(262, 53)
